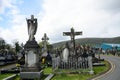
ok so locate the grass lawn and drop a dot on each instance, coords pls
(17, 77)
(48, 70)
(72, 77)
(100, 69)
(2, 76)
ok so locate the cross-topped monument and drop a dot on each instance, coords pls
(72, 34)
(45, 39)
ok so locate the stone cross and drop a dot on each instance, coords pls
(45, 39)
(72, 34)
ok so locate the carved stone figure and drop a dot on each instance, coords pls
(32, 27)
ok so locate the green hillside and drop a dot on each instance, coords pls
(91, 41)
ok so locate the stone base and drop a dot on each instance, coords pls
(30, 69)
(31, 75)
(31, 44)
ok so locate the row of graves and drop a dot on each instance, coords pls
(73, 58)
(7, 57)
(70, 58)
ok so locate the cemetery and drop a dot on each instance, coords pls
(7, 57)
(70, 62)
(59, 39)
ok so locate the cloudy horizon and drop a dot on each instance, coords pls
(95, 18)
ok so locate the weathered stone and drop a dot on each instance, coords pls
(31, 75)
(32, 68)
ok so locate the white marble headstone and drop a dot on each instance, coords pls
(65, 54)
(31, 59)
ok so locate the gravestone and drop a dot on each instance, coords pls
(46, 56)
(65, 54)
(31, 69)
(97, 61)
(45, 39)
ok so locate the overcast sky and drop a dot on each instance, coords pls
(96, 18)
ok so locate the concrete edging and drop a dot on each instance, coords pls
(49, 76)
(10, 77)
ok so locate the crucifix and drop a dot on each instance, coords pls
(45, 39)
(72, 34)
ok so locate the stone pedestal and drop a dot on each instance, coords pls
(31, 75)
(31, 69)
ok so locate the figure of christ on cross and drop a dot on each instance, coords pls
(45, 39)
(72, 34)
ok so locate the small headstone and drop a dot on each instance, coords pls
(65, 55)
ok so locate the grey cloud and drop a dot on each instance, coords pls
(112, 6)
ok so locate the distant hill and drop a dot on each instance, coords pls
(91, 41)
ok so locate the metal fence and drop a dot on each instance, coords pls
(72, 63)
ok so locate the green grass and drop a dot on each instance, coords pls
(17, 77)
(101, 68)
(2, 76)
(48, 70)
(71, 76)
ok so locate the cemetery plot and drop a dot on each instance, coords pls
(73, 64)
(70, 62)
(81, 76)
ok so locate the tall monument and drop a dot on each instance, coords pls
(31, 69)
(72, 34)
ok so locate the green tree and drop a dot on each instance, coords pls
(49, 46)
(17, 47)
(8, 46)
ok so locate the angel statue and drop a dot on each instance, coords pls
(32, 27)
